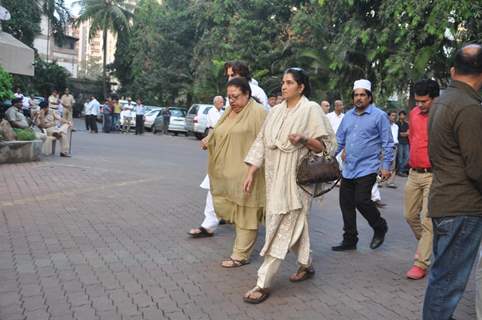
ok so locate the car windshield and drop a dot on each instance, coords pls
(178, 113)
(152, 112)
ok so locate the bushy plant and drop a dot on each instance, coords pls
(24, 134)
(5, 85)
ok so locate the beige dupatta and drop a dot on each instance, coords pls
(227, 147)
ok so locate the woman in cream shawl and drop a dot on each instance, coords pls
(291, 129)
(228, 145)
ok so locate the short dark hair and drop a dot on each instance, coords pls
(240, 83)
(427, 87)
(368, 92)
(301, 77)
(402, 112)
(392, 111)
(241, 69)
(468, 63)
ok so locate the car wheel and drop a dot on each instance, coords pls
(206, 132)
(198, 136)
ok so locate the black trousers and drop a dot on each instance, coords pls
(87, 122)
(356, 194)
(139, 124)
(93, 123)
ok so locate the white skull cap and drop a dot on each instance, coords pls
(363, 84)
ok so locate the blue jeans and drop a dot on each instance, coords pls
(403, 154)
(456, 242)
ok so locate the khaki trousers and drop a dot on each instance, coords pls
(67, 114)
(416, 209)
(64, 137)
(244, 243)
(270, 265)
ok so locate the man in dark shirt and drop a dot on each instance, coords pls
(455, 200)
(403, 146)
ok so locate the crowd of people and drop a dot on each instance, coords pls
(438, 146)
(51, 117)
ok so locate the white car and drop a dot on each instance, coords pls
(197, 118)
(151, 116)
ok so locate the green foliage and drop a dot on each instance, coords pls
(24, 134)
(25, 22)
(5, 85)
(177, 49)
(49, 76)
(105, 15)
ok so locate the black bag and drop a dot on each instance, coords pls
(317, 168)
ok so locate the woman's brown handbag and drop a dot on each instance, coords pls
(315, 169)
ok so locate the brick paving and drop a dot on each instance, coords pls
(103, 236)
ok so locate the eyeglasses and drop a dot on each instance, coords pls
(233, 97)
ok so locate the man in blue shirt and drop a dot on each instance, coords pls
(366, 138)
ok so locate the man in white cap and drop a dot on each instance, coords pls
(364, 134)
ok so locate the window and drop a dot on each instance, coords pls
(193, 109)
(206, 110)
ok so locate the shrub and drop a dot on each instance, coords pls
(24, 134)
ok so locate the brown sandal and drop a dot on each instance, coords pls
(203, 233)
(234, 263)
(302, 274)
(264, 295)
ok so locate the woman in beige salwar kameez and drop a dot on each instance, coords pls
(228, 145)
(291, 129)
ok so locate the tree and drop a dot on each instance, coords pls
(105, 16)
(5, 85)
(49, 76)
(58, 16)
(25, 22)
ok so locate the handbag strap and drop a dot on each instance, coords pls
(316, 195)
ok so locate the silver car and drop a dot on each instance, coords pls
(196, 120)
(177, 122)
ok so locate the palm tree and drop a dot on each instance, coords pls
(105, 16)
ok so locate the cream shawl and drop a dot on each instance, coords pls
(281, 158)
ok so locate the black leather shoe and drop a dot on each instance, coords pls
(66, 155)
(344, 246)
(378, 238)
(222, 221)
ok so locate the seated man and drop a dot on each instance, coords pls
(49, 120)
(15, 116)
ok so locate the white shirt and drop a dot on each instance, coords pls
(335, 119)
(93, 107)
(213, 116)
(259, 93)
(126, 113)
(140, 109)
(394, 128)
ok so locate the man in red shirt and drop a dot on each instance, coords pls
(420, 177)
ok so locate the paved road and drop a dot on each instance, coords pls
(103, 236)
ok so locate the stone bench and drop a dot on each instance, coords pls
(20, 151)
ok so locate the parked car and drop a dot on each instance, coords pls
(196, 120)
(177, 122)
(150, 117)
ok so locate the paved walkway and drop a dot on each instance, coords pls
(103, 236)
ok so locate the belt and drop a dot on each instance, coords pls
(422, 170)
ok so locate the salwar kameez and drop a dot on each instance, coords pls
(287, 205)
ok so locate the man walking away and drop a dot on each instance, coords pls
(93, 110)
(455, 200)
(390, 182)
(166, 118)
(364, 134)
(403, 144)
(420, 177)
